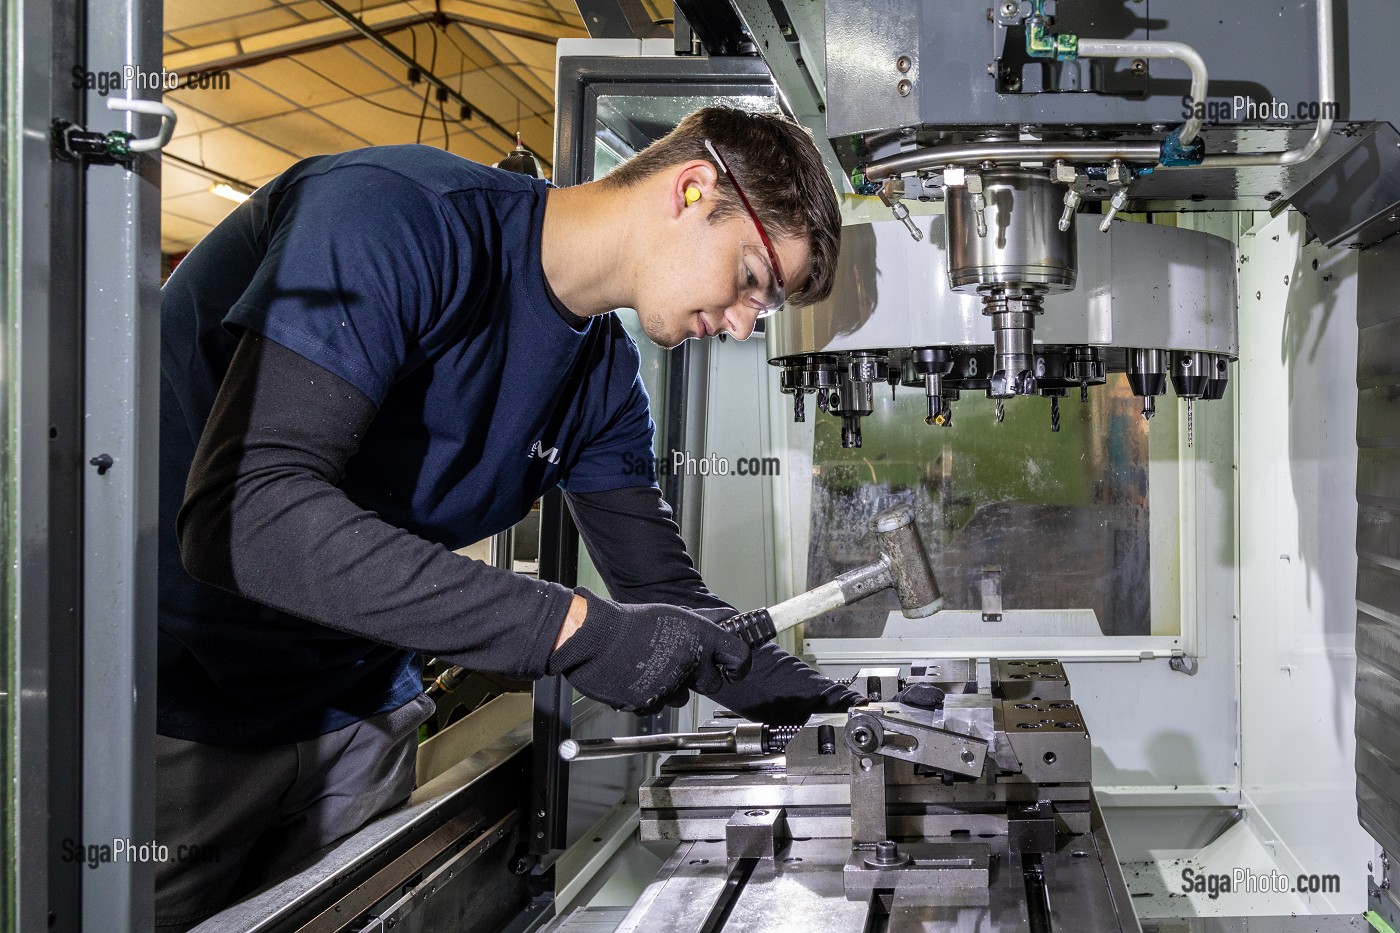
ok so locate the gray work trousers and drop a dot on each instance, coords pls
(236, 819)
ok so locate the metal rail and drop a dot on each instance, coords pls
(936, 157)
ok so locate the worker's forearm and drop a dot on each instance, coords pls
(637, 548)
(577, 610)
(264, 518)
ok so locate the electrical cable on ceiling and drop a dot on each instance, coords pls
(374, 103)
(378, 39)
(427, 89)
(468, 110)
(447, 32)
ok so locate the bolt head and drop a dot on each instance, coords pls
(904, 87)
(1008, 8)
(904, 63)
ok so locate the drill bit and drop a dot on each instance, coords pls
(1001, 411)
(1055, 414)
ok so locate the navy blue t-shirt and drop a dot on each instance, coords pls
(415, 276)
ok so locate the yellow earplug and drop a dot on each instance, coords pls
(692, 194)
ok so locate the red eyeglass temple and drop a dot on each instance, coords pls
(758, 224)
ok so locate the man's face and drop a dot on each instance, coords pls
(711, 280)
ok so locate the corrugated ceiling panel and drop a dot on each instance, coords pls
(225, 29)
(361, 69)
(233, 152)
(181, 14)
(305, 134)
(176, 180)
(200, 206)
(497, 90)
(179, 234)
(324, 100)
(244, 100)
(293, 80)
(528, 51)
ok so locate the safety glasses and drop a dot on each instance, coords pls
(759, 272)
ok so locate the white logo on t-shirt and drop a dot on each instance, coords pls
(539, 450)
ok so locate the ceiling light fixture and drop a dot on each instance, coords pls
(229, 192)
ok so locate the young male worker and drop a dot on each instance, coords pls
(385, 355)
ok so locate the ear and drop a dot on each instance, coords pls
(697, 174)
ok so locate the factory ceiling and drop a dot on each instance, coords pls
(271, 82)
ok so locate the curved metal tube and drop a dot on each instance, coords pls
(1326, 96)
(1124, 48)
(934, 157)
(155, 108)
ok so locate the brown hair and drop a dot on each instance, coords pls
(780, 170)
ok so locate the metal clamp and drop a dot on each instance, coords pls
(910, 735)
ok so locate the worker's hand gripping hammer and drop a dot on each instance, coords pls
(903, 564)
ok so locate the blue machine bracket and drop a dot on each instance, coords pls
(1174, 153)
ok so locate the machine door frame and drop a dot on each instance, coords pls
(560, 814)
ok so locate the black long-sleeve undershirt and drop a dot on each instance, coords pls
(263, 517)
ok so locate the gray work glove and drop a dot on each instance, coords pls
(634, 657)
(922, 695)
(780, 689)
